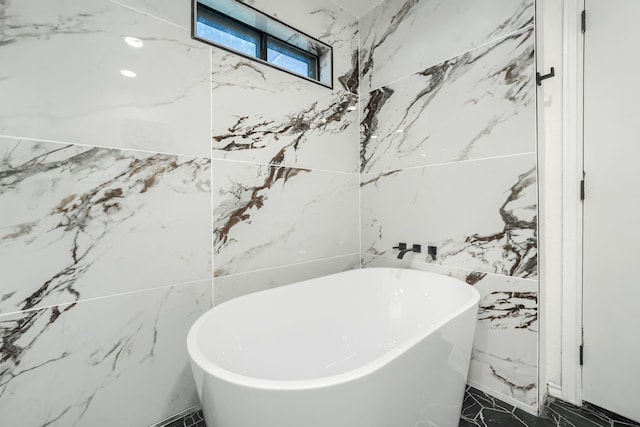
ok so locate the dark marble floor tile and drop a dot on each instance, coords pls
(194, 419)
(565, 414)
(482, 410)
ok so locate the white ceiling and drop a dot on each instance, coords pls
(357, 7)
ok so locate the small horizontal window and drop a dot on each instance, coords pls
(248, 32)
(291, 58)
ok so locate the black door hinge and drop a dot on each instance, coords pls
(583, 21)
(582, 190)
(581, 355)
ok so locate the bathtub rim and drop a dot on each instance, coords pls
(208, 367)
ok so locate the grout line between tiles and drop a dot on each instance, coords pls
(284, 166)
(288, 265)
(494, 41)
(541, 334)
(461, 162)
(360, 220)
(355, 15)
(358, 153)
(366, 12)
(349, 11)
(211, 187)
(447, 267)
(149, 15)
(119, 294)
(101, 146)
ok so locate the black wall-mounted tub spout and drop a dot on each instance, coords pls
(403, 249)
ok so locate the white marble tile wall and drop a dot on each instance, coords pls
(270, 216)
(119, 360)
(285, 170)
(263, 115)
(288, 121)
(477, 105)
(61, 77)
(177, 12)
(448, 158)
(82, 222)
(402, 37)
(481, 215)
(105, 211)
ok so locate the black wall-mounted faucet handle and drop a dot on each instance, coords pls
(404, 250)
(433, 251)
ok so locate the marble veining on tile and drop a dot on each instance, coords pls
(505, 353)
(315, 134)
(70, 213)
(393, 34)
(513, 249)
(502, 307)
(90, 357)
(415, 121)
(478, 220)
(269, 216)
(290, 121)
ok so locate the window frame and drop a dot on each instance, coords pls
(263, 39)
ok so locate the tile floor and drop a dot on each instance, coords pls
(480, 409)
(193, 419)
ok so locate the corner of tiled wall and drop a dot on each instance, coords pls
(105, 196)
(448, 158)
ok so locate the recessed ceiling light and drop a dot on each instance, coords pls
(128, 73)
(134, 42)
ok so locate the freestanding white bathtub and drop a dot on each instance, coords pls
(365, 348)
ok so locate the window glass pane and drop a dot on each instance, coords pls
(227, 33)
(292, 59)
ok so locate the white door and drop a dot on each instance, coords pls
(611, 311)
